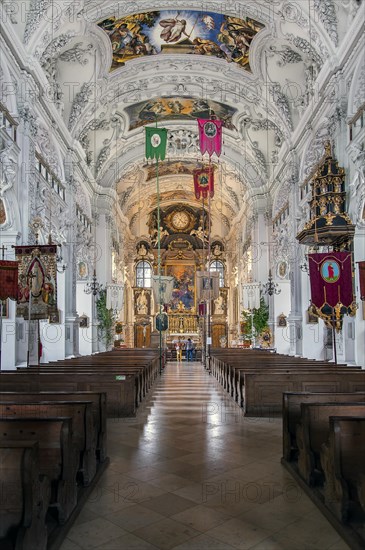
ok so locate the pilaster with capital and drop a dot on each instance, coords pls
(71, 316)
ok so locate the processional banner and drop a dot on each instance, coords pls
(362, 280)
(156, 141)
(210, 136)
(162, 288)
(8, 280)
(207, 285)
(114, 296)
(37, 280)
(204, 182)
(251, 296)
(331, 279)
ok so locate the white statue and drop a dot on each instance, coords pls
(142, 304)
(357, 186)
(219, 305)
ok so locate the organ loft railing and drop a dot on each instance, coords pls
(183, 323)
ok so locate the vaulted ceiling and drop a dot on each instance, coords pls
(112, 67)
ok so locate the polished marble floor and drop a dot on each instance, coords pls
(191, 473)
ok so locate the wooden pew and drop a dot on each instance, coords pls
(141, 375)
(343, 464)
(57, 459)
(291, 414)
(83, 436)
(120, 389)
(97, 399)
(24, 497)
(313, 431)
(241, 393)
(263, 391)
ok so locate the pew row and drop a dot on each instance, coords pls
(24, 496)
(291, 414)
(343, 463)
(263, 391)
(83, 435)
(330, 462)
(98, 403)
(57, 459)
(119, 388)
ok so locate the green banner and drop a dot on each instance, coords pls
(156, 141)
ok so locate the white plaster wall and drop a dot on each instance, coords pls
(53, 335)
(8, 339)
(313, 346)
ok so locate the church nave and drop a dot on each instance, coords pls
(190, 472)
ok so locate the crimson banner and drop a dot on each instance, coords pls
(8, 280)
(204, 182)
(362, 280)
(331, 279)
(210, 136)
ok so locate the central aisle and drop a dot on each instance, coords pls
(191, 473)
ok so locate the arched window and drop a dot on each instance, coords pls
(143, 274)
(218, 266)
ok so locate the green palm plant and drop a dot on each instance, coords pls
(105, 319)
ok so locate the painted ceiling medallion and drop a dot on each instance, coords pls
(181, 32)
(179, 108)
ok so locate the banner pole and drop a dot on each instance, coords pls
(204, 335)
(210, 289)
(30, 276)
(159, 259)
(334, 338)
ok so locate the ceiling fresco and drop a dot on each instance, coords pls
(181, 32)
(177, 108)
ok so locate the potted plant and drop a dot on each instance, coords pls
(255, 323)
(105, 319)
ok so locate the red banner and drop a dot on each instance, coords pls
(331, 279)
(362, 280)
(204, 182)
(8, 280)
(210, 136)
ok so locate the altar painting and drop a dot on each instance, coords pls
(178, 108)
(181, 32)
(183, 295)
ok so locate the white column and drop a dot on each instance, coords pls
(53, 336)
(359, 325)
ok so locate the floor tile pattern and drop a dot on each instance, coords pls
(191, 473)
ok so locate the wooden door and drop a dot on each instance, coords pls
(142, 336)
(218, 330)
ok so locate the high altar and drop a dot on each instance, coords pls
(184, 252)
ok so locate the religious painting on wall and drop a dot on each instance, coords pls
(282, 269)
(178, 108)
(181, 32)
(183, 295)
(82, 270)
(37, 280)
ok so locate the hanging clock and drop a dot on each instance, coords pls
(180, 220)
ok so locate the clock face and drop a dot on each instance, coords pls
(180, 220)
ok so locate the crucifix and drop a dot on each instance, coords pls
(3, 248)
